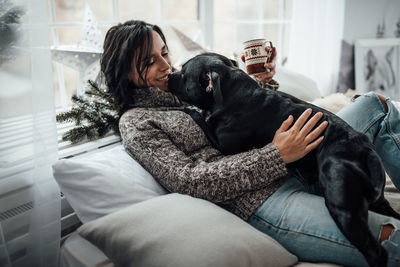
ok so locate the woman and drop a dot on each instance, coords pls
(253, 185)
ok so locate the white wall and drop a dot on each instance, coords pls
(361, 21)
(363, 16)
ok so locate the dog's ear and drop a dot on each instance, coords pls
(215, 86)
(234, 63)
(208, 79)
(212, 79)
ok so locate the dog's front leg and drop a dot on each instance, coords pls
(199, 118)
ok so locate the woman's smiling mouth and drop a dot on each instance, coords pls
(163, 78)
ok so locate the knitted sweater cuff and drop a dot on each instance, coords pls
(272, 85)
(279, 165)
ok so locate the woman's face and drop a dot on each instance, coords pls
(156, 74)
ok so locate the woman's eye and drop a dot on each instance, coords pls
(165, 54)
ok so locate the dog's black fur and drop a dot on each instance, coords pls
(244, 115)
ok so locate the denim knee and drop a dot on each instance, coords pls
(364, 114)
(392, 245)
(301, 223)
(368, 115)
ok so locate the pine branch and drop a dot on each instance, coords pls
(101, 107)
(78, 100)
(95, 114)
(95, 90)
(105, 96)
(77, 134)
(74, 114)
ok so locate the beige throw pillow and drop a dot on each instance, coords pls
(179, 230)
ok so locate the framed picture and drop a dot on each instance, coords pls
(377, 66)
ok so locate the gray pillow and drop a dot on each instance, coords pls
(179, 230)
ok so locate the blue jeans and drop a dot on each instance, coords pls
(300, 221)
(368, 115)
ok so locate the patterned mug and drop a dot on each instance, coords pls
(255, 55)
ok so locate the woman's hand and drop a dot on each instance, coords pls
(295, 142)
(270, 66)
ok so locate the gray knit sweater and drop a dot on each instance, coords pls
(173, 148)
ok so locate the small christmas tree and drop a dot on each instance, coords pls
(95, 114)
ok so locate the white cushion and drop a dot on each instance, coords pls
(179, 230)
(104, 182)
(78, 252)
(296, 84)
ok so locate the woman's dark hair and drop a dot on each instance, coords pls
(121, 44)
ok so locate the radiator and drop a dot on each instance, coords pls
(17, 192)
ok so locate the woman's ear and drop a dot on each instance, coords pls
(134, 78)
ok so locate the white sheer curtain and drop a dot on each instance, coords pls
(29, 196)
(315, 38)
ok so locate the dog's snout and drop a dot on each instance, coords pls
(173, 81)
(174, 75)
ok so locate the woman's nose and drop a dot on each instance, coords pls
(165, 64)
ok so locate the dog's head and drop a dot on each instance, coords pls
(198, 78)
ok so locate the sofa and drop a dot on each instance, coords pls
(128, 219)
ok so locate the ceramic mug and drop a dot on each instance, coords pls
(255, 55)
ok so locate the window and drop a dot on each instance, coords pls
(218, 25)
(241, 20)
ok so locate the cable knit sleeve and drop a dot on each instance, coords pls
(170, 145)
(272, 85)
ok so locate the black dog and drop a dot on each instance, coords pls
(244, 115)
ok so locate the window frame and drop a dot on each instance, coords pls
(260, 21)
(205, 22)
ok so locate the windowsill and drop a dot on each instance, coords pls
(17, 145)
